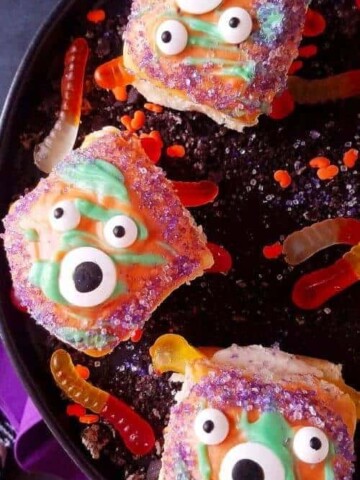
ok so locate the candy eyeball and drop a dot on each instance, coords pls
(171, 37)
(251, 460)
(311, 445)
(235, 25)
(198, 7)
(120, 231)
(64, 216)
(87, 277)
(211, 426)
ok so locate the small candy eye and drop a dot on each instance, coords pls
(87, 277)
(199, 6)
(64, 216)
(120, 231)
(235, 25)
(211, 426)
(311, 445)
(171, 37)
(251, 461)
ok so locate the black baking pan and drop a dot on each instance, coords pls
(250, 305)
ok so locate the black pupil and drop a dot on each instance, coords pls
(87, 277)
(234, 22)
(119, 231)
(247, 470)
(208, 426)
(315, 443)
(166, 36)
(58, 212)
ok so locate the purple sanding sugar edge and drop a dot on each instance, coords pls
(218, 389)
(272, 60)
(158, 197)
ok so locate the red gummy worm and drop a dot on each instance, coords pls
(136, 433)
(195, 194)
(72, 82)
(222, 259)
(314, 289)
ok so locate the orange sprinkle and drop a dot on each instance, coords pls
(319, 162)
(89, 418)
(96, 16)
(328, 173)
(176, 151)
(152, 107)
(138, 121)
(296, 66)
(315, 24)
(283, 178)
(82, 371)
(351, 156)
(308, 51)
(271, 252)
(126, 121)
(282, 106)
(75, 410)
(120, 93)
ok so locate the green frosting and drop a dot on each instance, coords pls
(44, 274)
(83, 337)
(31, 235)
(139, 258)
(98, 176)
(203, 460)
(272, 431)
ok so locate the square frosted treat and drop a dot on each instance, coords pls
(227, 59)
(100, 243)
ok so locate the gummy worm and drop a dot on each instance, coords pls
(336, 87)
(137, 434)
(315, 288)
(300, 246)
(196, 194)
(62, 137)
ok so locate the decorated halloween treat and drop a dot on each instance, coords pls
(256, 413)
(225, 58)
(101, 242)
(135, 432)
(315, 288)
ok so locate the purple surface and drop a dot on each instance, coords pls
(35, 449)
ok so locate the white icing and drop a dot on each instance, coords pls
(302, 445)
(130, 231)
(263, 456)
(69, 219)
(67, 285)
(178, 37)
(238, 33)
(198, 7)
(259, 360)
(220, 428)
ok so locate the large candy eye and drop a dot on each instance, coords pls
(198, 7)
(235, 25)
(211, 426)
(87, 277)
(64, 216)
(120, 231)
(311, 445)
(251, 460)
(171, 37)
